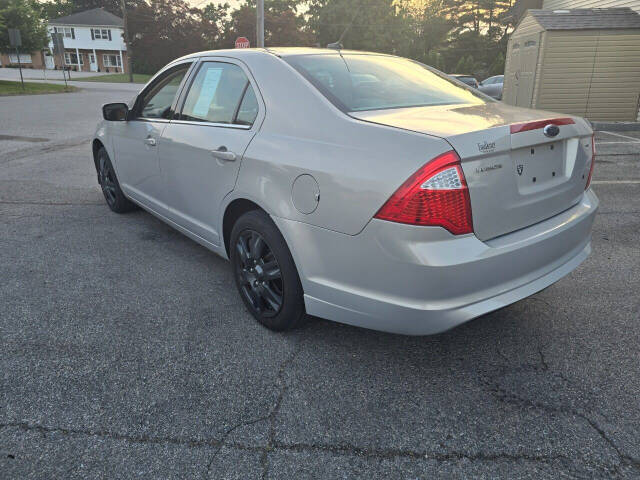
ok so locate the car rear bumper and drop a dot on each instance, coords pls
(423, 280)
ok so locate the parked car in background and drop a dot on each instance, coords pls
(359, 187)
(467, 79)
(492, 86)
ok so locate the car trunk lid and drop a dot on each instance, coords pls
(517, 175)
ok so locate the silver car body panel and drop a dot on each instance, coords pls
(353, 268)
(423, 280)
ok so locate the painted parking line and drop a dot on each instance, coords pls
(633, 139)
(614, 182)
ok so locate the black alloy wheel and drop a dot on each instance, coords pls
(259, 274)
(265, 273)
(107, 181)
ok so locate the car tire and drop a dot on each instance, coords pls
(264, 271)
(110, 186)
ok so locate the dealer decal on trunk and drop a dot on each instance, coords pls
(487, 147)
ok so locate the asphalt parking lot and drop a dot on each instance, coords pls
(125, 351)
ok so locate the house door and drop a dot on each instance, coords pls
(48, 62)
(93, 64)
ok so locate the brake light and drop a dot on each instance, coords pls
(436, 195)
(525, 127)
(593, 159)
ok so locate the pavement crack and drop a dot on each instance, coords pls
(545, 365)
(271, 416)
(624, 458)
(510, 397)
(144, 439)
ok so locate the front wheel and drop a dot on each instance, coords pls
(111, 190)
(265, 273)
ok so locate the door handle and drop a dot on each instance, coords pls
(150, 141)
(223, 154)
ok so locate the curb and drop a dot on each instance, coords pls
(617, 126)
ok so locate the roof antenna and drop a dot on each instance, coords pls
(338, 45)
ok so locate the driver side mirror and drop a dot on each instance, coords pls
(115, 112)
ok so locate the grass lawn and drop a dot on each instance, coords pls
(114, 78)
(32, 88)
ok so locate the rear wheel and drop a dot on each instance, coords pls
(111, 190)
(265, 273)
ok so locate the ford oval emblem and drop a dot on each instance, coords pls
(551, 130)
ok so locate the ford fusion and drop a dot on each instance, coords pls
(362, 188)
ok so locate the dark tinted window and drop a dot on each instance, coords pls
(371, 82)
(215, 93)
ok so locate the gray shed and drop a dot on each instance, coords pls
(584, 62)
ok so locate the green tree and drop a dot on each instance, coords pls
(23, 15)
(428, 30)
(283, 24)
(162, 30)
(375, 25)
(55, 9)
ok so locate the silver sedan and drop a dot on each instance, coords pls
(363, 188)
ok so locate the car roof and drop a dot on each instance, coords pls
(460, 75)
(278, 51)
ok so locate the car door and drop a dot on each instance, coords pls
(201, 149)
(135, 142)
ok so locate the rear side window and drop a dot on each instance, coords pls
(356, 82)
(215, 94)
(248, 110)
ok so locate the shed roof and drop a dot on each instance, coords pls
(587, 19)
(95, 16)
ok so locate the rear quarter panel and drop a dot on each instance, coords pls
(357, 164)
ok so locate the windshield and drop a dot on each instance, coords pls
(359, 82)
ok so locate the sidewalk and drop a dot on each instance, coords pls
(35, 74)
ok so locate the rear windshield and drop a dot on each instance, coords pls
(355, 82)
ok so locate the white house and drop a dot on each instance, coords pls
(93, 41)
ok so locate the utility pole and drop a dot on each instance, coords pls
(126, 39)
(260, 24)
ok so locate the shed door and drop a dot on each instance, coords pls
(511, 82)
(528, 60)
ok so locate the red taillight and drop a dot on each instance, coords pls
(593, 159)
(525, 127)
(435, 195)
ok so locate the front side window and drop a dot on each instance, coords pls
(357, 82)
(72, 59)
(157, 101)
(216, 93)
(111, 60)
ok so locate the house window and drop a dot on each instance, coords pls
(71, 58)
(101, 33)
(67, 32)
(24, 58)
(111, 60)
